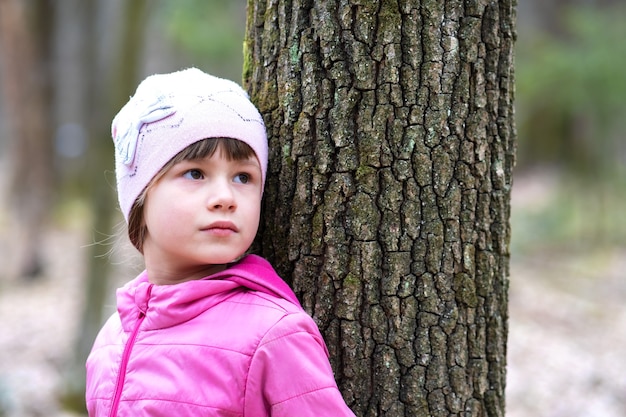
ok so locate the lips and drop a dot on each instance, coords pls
(221, 228)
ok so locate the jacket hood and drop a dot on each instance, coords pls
(173, 304)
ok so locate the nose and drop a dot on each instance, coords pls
(221, 197)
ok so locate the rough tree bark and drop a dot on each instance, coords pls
(388, 195)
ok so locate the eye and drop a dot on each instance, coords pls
(242, 178)
(193, 174)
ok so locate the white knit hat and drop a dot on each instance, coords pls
(172, 111)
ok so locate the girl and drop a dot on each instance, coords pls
(205, 329)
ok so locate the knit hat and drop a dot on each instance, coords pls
(172, 111)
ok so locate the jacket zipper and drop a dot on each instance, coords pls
(121, 376)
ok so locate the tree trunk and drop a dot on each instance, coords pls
(109, 86)
(26, 40)
(387, 202)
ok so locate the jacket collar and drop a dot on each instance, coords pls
(173, 304)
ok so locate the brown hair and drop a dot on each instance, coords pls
(232, 150)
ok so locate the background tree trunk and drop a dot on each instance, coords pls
(388, 194)
(110, 81)
(26, 42)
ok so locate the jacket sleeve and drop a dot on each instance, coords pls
(290, 374)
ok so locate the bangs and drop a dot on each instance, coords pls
(232, 149)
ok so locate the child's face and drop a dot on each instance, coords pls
(201, 215)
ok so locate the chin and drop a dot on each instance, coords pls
(224, 260)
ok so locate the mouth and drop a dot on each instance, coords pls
(221, 228)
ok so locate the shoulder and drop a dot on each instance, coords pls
(295, 323)
(276, 323)
(110, 331)
(290, 367)
(266, 313)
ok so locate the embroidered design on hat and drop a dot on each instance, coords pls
(133, 119)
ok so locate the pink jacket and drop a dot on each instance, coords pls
(234, 344)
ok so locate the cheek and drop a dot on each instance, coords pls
(166, 229)
(164, 216)
(254, 222)
(249, 215)
(254, 211)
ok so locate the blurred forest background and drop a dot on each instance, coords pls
(67, 66)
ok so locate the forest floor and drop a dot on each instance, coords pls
(566, 348)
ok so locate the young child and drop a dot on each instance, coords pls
(205, 329)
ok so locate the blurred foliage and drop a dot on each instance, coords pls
(566, 216)
(571, 108)
(571, 93)
(210, 31)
